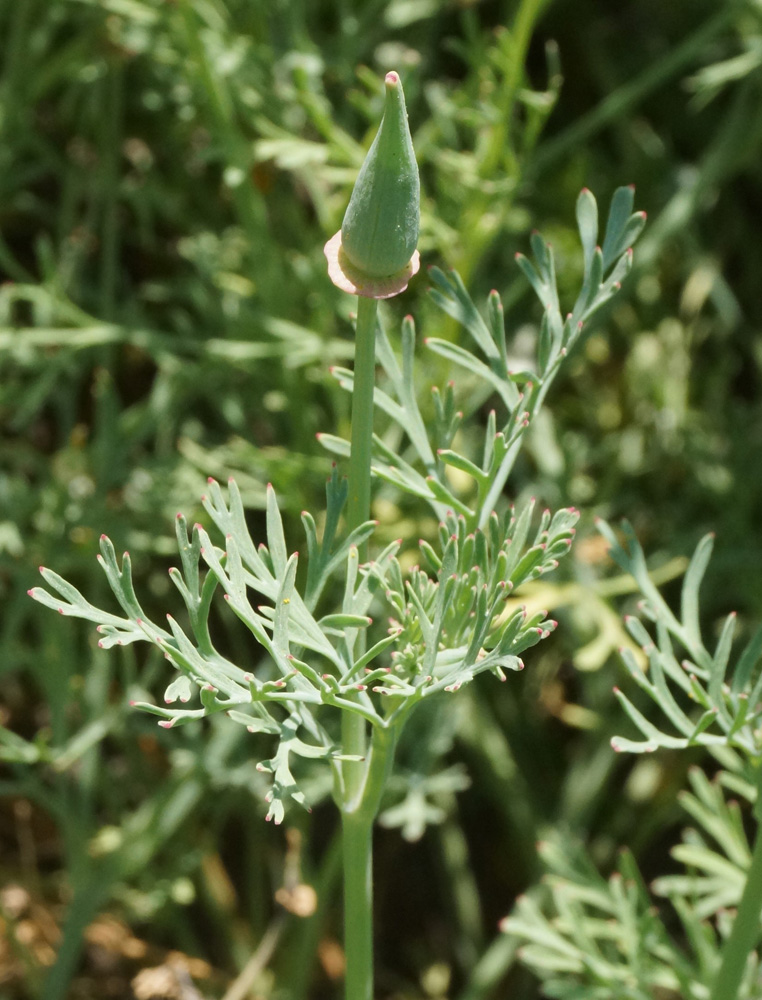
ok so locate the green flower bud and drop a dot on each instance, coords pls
(380, 228)
(375, 254)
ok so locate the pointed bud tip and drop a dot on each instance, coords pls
(391, 79)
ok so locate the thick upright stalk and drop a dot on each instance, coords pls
(358, 505)
(357, 828)
(745, 932)
(357, 834)
(358, 813)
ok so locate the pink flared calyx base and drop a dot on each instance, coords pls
(351, 279)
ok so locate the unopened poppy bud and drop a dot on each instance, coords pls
(374, 254)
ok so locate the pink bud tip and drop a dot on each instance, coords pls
(30, 592)
(210, 479)
(60, 611)
(178, 516)
(166, 723)
(133, 704)
(138, 621)
(585, 190)
(100, 644)
(391, 79)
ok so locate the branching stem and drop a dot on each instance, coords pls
(357, 827)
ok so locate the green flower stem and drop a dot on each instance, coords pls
(358, 504)
(357, 828)
(744, 935)
(362, 781)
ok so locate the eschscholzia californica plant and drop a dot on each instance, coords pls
(340, 686)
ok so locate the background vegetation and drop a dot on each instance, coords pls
(169, 172)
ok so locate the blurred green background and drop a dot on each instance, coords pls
(169, 172)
